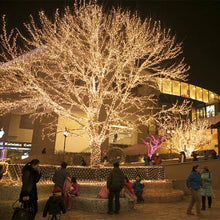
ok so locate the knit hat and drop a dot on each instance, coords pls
(56, 189)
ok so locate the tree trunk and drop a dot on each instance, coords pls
(95, 159)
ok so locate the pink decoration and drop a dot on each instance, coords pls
(153, 144)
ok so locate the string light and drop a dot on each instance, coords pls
(153, 143)
(91, 62)
(187, 136)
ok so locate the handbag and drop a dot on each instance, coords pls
(21, 213)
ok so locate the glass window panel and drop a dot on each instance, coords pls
(205, 95)
(201, 113)
(193, 114)
(167, 86)
(211, 96)
(159, 83)
(192, 91)
(176, 88)
(215, 96)
(199, 93)
(197, 113)
(210, 111)
(184, 90)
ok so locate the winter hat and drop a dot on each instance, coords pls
(56, 189)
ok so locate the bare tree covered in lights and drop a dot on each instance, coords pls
(187, 136)
(90, 62)
(153, 143)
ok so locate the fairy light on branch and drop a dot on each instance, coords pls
(91, 62)
(153, 143)
(187, 136)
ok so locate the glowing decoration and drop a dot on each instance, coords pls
(187, 136)
(153, 144)
(90, 62)
(2, 132)
(2, 155)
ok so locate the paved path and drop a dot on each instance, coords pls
(154, 211)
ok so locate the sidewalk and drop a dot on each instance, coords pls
(153, 211)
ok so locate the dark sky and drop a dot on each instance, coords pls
(196, 23)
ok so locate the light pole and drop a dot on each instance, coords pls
(65, 134)
(170, 133)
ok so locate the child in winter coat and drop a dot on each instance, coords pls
(138, 188)
(70, 189)
(206, 191)
(54, 205)
(127, 191)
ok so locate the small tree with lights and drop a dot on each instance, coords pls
(153, 143)
(90, 62)
(187, 136)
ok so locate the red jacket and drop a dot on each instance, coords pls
(129, 187)
(157, 160)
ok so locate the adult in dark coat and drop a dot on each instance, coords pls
(115, 183)
(60, 176)
(30, 176)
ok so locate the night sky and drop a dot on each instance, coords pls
(196, 23)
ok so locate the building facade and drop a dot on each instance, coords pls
(19, 137)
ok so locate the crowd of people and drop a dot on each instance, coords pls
(66, 187)
(118, 185)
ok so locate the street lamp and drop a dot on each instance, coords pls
(65, 134)
(170, 133)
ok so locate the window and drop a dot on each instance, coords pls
(159, 83)
(184, 90)
(199, 94)
(192, 91)
(167, 86)
(210, 111)
(205, 95)
(176, 88)
(26, 122)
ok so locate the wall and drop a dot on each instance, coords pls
(180, 172)
(76, 141)
(17, 134)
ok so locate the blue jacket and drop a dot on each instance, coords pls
(137, 186)
(194, 181)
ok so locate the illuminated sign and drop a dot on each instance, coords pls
(15, 145)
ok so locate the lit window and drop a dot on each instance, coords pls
(184, 90)
(176, 88)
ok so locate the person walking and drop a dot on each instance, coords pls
(115, 183)
(30, 177)
(60, 176)
(206, 191)
(194, 183)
